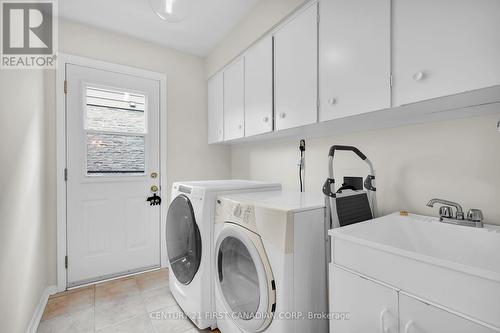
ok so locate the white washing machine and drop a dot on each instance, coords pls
(189, 234)
(270, 262)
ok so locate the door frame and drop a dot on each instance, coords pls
(61, 151)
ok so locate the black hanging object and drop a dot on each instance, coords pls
(154, 200)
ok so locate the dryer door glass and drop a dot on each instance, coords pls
(183, 240)
(238, 277)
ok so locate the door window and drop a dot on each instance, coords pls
(183, 240)
(115, 125)
(238, 277)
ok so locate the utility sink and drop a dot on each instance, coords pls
(457, 267)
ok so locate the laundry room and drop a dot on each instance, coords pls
(244, 166)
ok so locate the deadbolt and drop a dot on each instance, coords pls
(154, 175)
(154, 188)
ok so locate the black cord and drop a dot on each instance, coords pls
(300, 170)
(302, 149)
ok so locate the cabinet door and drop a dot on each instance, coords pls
(372, 307)
(215, 108)
(355, 64)
(296, 70)
(444, 47)
(234, 100)
(259, 88)
(418, 317)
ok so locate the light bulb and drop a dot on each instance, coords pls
(172, 11)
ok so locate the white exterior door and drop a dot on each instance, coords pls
(355, 57)
(372, 307)
(234, 100)
(259, 88)
(112, 161)
(296, 70)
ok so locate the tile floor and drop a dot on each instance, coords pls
(136, 304)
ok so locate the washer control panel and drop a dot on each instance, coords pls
(228, 210)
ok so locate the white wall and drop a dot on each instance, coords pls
(188, 153)
(457, 160)
(23, 223)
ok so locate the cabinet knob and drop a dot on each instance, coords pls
(418, 76)
(282, 115)
(265, 119)
(408, 326)
(383, 329)
(332, 101)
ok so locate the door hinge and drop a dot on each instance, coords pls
(65, 174)
(66, 262)
(65, 86)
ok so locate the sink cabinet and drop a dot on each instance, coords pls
(373, 306)
(416, 316)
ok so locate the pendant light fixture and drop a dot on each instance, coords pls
(172, 11)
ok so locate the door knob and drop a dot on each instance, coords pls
(282, 115)
(265, 119)
(332, 101)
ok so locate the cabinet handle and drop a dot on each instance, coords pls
(382, 323)
(418, 76)
(408, 326)
(332, 101)
(282, 115)
(265, 119)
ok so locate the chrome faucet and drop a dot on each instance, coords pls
(474, 216)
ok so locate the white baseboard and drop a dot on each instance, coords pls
(37, 315)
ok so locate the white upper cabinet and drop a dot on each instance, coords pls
(355, 64)
(419, 317)
(216, 108)
(234, 100)
(444, 47)
(296, 70)
(259, 88)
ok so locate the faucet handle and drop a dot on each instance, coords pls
(445, 211)
(475, 215)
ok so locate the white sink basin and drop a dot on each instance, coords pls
(454, 266)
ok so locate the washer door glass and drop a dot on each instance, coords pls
(183, 240)
(238, 277)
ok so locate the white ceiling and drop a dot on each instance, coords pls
(208, 21)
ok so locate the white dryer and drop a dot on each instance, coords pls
(270, 262)
(189, 234)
